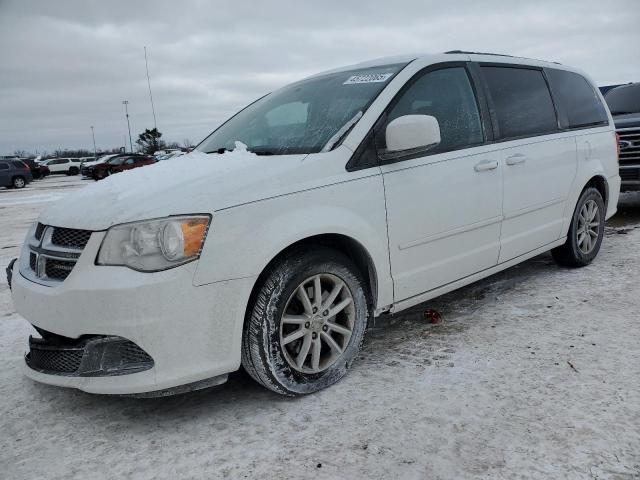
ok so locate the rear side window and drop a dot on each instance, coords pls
(576, 99)
(448, 96)
(521, 101)
(4, 166)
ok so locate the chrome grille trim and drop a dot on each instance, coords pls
(53, 253)
(629, 146)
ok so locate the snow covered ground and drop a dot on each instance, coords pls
(533, 373)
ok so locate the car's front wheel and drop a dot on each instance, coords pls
(585, 232)
(307, 322)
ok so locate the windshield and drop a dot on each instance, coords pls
(624, 99)
(303, 117)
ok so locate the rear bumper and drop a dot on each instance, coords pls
(191, 333)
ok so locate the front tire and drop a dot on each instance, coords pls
(307, 321)
(585, 232)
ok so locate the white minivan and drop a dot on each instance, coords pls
(360, 191)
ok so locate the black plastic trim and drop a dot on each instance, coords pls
(93, 355)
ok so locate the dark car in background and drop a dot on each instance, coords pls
(14, 174)
(37, 170)
(120, 164)
(624, 103)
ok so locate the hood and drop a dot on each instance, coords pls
(193, 183)
(627, 120)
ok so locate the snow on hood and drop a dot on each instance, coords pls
(192, 183)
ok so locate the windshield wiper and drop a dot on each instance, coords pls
(340, 134)
(220, 150)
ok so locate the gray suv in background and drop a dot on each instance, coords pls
(624, 103)
(14, 174)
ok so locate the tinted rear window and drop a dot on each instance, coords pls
(521, 100)
(624, 99)
(577, 99)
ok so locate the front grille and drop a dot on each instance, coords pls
(56, 361)
(54, 252)
(70, 237)
(58, 269)
(39, 230)
(629, 146)
(629, 174)
(87, 356)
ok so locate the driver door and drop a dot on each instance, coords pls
(444, 206)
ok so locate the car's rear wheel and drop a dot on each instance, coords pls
(74, 171)
(307, 322)
(18, 182)
(585, 232)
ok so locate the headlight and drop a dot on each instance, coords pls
(154, 245)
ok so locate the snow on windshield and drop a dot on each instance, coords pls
(305, 116)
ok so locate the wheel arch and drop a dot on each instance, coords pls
(350, 247)
(599, 182)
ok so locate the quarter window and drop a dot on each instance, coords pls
(521, 101)
(577, 99)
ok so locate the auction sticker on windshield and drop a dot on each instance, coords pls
(368, 78)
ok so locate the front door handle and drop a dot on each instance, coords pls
(516, 159)
(485, 165)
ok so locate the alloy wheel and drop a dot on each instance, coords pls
(588, 227)
(317, 323)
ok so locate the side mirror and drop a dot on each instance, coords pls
(410, 134)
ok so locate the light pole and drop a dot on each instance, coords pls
(126, 111)
(95, 152)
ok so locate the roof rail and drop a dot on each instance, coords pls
(495, 55)
(479, 53)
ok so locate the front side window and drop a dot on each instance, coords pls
(448, 96)
(577, 98)
(304, 117)
(521, 101)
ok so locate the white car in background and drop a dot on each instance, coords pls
(69, 166)
(364, 190)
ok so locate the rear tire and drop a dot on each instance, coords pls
(18, 182)
(73, 171)
(585, 232)
(325, 343)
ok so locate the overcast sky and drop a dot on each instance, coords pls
(66, 65)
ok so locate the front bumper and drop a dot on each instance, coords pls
(191, 333)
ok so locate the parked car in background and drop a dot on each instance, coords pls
(87, 167)
(166, 151)
(14, 174)
(37, 170)
(170, 155)
(68, 166)
(364, 190)
(624, 104)
(119, 164)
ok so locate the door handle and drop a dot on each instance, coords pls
(516, 159)
(485, 165)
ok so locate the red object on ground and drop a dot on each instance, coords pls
(432, 316)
